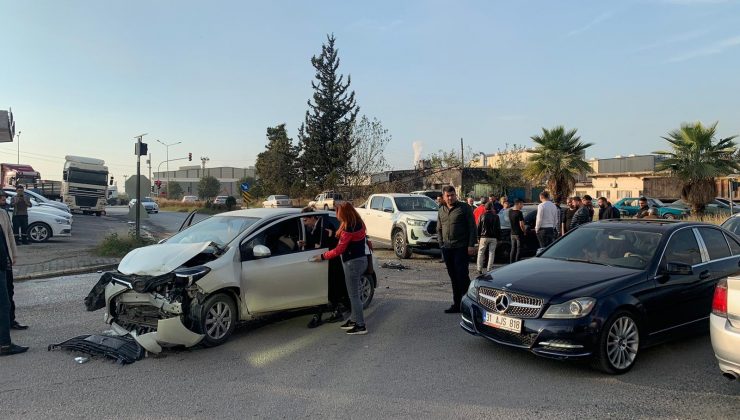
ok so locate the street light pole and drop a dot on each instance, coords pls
(18, 144)
(167, 157)
(138, 185)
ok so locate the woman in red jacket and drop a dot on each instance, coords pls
(352, 248)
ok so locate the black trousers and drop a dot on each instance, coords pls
(546, 236)
(456, 261)
(20, 228)
(9, 282)
(516, 247)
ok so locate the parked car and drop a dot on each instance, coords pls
(715, 207)
(195, 286)
(150, 206)
(327, 200)
(221, 199)
(605, 291)
(733, 224)
(189, 199)
(41, 207)
(43, 225)
(630, 207)
(724, 326)
(407, 222)
(275, 201)
(42, 200)
(727, 203)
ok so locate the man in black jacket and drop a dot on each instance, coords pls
(606, 210)
(582, 215)
(489, 232)
(456, 234)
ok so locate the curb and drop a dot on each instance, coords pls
(57, 273)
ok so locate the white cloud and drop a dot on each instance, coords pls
(596, 21)
(716, 48)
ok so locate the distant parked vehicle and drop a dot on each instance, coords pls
(275, 201)
(221, 199)
(41, 200)
(189, 199)
(630, 207)
(327, 200)
(36, 205)
(149, 204)
(733, 224)
(715, 207)
(43, 225)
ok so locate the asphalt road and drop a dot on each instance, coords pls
(416, 362)
(162, 223)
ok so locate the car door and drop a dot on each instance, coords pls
(722, 263)
(386, 217)
(286, 279)
(373, 221)
(672, 302)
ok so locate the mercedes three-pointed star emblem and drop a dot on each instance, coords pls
(501, 303)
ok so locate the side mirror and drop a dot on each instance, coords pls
(388, 210)
(261, 251)
(539, 251)
(677, 268)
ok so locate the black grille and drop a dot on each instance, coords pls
(520, 306)
(86, 201)
(432, 228)
(524, 340)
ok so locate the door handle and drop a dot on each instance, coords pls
(704, 275)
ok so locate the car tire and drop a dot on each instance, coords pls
(401, 245)
(367, 290)
(619, 344)
(326, 207)
(98, 213)
(217, 319)
(669, 216)
(39, 232)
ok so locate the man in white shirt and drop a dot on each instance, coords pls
(548, 218)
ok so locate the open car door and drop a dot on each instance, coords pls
(188, 221)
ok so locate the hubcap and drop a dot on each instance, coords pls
(38, 233)
(622, 343)
(365, 289)
(400, 246)
(218, 320)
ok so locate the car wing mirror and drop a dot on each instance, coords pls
(261, 251)
(539, 252)
(388, 210)
(677, 268)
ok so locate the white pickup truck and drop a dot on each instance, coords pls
(327, 200)
(408, 222)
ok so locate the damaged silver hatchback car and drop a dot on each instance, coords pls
(195, 286)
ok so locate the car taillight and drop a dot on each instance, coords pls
(719, 302)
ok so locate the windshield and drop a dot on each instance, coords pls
(658, 202)
(218, 229)
(82, 176)
(147, 200)
(281, 197)
(420, 203)
(607, 246)
(733, 225)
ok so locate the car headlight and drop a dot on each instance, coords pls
(473, 290)
(416, 222)
(575, 308)
(190, 274)
(62, 221)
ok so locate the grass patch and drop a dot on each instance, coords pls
(115, 245)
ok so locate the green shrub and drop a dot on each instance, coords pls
(115, 245)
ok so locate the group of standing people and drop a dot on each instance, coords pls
(8, 258)
(553, 221)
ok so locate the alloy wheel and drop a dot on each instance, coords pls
(38, 233)
(218, 320)
(365, 288)
(622, 343)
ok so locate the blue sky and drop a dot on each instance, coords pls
(84, 77)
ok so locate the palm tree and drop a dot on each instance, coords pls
(696, 160)
(557, 160)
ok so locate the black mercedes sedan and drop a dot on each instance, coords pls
(605, 291)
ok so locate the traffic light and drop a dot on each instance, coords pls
(158, 183)
(152, 188)
(190, 157)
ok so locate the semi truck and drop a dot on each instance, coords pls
(18, 174)
(85, 184)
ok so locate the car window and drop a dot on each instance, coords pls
(281, 238)
(734, 245)
(218, 229)
(420, 203)
(281, 197)
(715, 242)
(387, 204)
(733, 225)
(683, 248)
(377, 203)
(270, 198)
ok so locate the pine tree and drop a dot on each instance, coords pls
(325, 138)
(276, 166)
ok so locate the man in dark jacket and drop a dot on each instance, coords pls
(14, 324)
(567, 216)
(489, 232)
(588, 204)
(456, 234)
(21, 204)
(606, 210)
(644, 208)
(582, 215)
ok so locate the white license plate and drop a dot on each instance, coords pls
(502, 322)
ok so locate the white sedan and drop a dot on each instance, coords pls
(150, 206)
(36, 205)
(43, 225)
(275, 201)
(724, 326)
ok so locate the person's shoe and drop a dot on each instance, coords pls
(336, 317)
(17, 326)
(357, 330)
(315, 321)
(348, 325)
(453, 310)
(12, 349)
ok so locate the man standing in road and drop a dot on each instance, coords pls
(7, 259)
(567, 216)
(606, 210)
(644, 208)
(497, 206)
(21, 203)
(456, 233)
(518, 230)
(588, 203)
(14, 325)
(478, 212)
(582, 215)
(489, 233)
(548, 218)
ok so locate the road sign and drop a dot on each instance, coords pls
(246, 197)
(244, 186)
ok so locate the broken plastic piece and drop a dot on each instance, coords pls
(123, 350)
(81, 359)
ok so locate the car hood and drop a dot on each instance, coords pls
(548, 278)
(155, 260)
(421, 215)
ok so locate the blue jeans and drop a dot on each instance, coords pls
(354, 269)
(4, 311)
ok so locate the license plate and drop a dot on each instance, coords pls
(502, 322)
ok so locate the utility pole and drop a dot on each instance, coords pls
(203, 161)
(167, 157)
(149, 162)
(18, 144)
(462, 164)
(139, 151)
